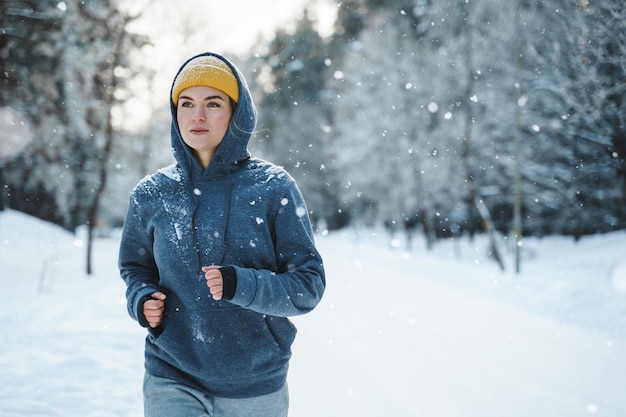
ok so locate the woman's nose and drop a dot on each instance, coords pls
(199, 115)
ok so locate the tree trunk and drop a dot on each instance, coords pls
(108, 146)
(478, 203)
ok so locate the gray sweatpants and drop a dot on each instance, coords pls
(166, 398)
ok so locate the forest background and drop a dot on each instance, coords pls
(442, 117)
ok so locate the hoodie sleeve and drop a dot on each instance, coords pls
(136, 261)
(300, 282)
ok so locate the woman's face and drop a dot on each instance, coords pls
(203, 115)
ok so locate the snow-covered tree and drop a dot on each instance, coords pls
(80, 66)
(74, 65)
(293, 126)
(29, 53)
(372, 147)
(576, 96)
(403, 96)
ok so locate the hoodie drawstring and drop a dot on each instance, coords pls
(229, 192)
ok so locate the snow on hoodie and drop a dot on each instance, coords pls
(246, 215)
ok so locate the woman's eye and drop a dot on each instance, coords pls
(186, 104)
(213, 104)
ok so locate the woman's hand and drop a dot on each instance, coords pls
(153, 309)
(214, 280)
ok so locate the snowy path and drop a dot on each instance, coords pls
(404, 345)
(69, 349)
(394, 336)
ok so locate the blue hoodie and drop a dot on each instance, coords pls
(246, 215)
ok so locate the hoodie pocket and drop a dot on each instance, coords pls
(225, 344)
(283, 331)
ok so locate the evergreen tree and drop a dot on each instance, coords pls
(71, 79)
(297, 111)
(577, 102)
(29, 53)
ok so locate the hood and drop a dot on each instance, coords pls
(234, 147)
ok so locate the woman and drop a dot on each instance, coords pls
(217, 251)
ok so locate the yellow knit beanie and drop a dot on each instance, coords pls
(208, 71)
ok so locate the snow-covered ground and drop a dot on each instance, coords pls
(436, 333)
